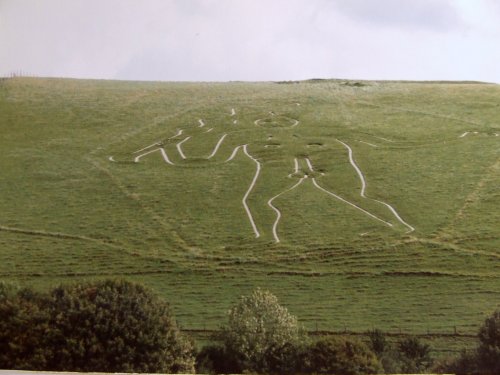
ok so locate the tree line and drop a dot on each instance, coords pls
(119, 326)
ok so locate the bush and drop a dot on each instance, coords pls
(489, 345)
(258, 327)
(214, 359)
(388, 355)
(378, 342)
(345, 356)
(24, 324)
(107, 326)
(286, 359)
(415, 356)
(465, 364)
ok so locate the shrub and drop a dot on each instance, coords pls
(106, 326)
(489, 345)
(258, 325)
(345, 356)
(285, 359)
(465, 364)
(24, 324)
(389, 357)
(415, 355)
(213, 359)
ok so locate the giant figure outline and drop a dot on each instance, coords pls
(310, 173)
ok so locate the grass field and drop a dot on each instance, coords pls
(184, 227)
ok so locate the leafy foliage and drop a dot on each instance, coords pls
(335, 355)
(258, 327)
(416, 356)
(106, 326)
(24, 324)
(489, 345)
(465, 364)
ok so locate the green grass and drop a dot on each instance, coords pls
(67, 212)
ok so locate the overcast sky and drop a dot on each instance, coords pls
(252, 40)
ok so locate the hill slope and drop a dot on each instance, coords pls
(359, 205)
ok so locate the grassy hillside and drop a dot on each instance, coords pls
(82, 197)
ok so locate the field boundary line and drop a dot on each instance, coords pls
(323, 332)
(43, 233)
(156, 218)
(431, 114)
(473, 196)
(452, 246)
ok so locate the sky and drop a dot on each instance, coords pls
(251, 40)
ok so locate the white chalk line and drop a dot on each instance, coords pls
(247, 209)
(294, 122)
(384, 139)
(217, 146)
(233, 112)
(209, 130)
(145, 148)
(295, 169)
(309, 164)
(163, 153)
(234, 153)
(353, 163)
(411, 229)
(350, 203)
(111, 159)
(278, 212)
(157, 143)
(369, 144)
(475, 133)
(176, 135)
(180, 149)
(235, 122)
(363, 188)
(202, 124)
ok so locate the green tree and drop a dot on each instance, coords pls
(378, 342)
(489, 345)
(257, 325)
(415, 355)
(339, 355)
(105, 326)
(24, 324)
(388, 356)
(115, 326)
